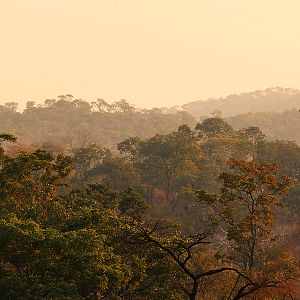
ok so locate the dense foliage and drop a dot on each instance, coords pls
(204, 213)
(68, 122)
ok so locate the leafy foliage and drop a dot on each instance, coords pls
(96, 225)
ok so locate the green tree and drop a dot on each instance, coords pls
(87, 158)
(166, 156)
(30, 182)
(131, 149)
(212, 127)
(39, 263)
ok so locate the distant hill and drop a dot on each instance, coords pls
(269, 100)
(275, 125)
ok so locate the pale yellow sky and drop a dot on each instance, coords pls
(150, 52)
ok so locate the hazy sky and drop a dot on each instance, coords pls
(150, 52)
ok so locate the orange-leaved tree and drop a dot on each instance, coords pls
(245, 209)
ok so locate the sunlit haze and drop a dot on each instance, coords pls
(151, 53)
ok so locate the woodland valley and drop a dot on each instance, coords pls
(107, 201)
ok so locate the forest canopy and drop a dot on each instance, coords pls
(203, 212)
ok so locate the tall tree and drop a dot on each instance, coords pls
(245, 209)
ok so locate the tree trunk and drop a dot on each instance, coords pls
(194, 292)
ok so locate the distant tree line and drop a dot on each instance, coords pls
(67, 121)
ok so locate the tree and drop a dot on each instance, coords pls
(245, 210)
(131, 203)
(30, 181)
(12, 106)
(101, 105)
(39, 263)
(30, 105)
(111, 213)
(117, 172)
(213, 127)
(251, 133)
(185, 253)
(124, 106)
(131, 148)
(87, 158)
(82, 107)
(4, 137)
(165, 157)
(49, 102)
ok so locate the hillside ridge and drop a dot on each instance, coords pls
(275, 99)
